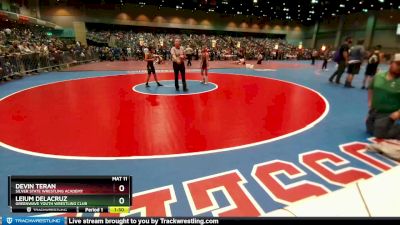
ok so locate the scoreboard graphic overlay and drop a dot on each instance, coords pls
(94, 194)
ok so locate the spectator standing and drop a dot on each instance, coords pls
(325, 57)
(356, 56)
(372, 67)
(189, 54)
(314, 55)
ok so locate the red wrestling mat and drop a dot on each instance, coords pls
(104, 117)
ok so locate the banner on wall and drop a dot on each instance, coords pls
(3, 15)
(23, 19)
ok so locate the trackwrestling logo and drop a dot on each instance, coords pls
(34, 221)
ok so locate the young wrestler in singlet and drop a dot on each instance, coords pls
(149, 58)
(204, 65)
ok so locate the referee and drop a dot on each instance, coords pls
(178, 57)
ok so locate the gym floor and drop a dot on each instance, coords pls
(249, 142)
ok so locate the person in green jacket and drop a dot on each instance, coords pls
(384, 102)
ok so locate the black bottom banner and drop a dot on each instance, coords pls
(206, 221)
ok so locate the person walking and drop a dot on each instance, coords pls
(341, 57)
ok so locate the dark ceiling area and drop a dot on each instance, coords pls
(304, 11)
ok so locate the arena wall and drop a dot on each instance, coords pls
(356, 25)
(151, 16)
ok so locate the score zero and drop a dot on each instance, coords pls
(121, 187)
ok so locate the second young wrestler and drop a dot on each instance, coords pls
(150, 57)
(204, 65)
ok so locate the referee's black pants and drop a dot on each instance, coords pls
(179, 68)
